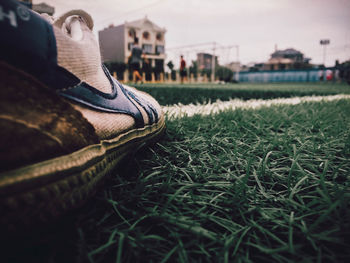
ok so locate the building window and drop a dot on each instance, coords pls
(159, 36)
(147, 48)
(132, 33)
(145, 35)
(160, 49)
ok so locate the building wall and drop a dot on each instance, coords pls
(116, 42)
(152, 40)
(204, 61)
(148, 45)
(112, 44)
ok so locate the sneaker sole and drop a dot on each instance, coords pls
(47, 189)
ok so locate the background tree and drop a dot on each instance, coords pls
(344, 71)
(172, 71)
(194, 68)
(224, 74)
(118, 67)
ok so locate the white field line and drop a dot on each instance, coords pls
(179, 110)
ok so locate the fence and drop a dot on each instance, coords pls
(312, 75)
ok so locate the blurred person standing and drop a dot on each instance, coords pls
(147, 69)
(183, 73)
(135, 60)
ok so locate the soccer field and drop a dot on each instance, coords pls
(264, 184)
(169, 94)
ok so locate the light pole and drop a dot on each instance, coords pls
(213, 62)
(324, 43)
(238, 65)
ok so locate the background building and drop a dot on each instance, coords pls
(234, 66)
(116, 42)
(204, 61)
(40, 8)
(287, 59)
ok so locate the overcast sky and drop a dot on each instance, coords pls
(256, 26)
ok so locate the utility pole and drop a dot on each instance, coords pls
(238, 65)
(324, 43)
(213, 62)
(188, 67)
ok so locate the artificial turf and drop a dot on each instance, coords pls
(168, 94)
(267, 185)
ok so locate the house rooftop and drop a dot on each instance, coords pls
(288, 51)
(140, 23)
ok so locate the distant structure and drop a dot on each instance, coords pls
(252, 67)
(286, 60)
(234, 66)
(204, 61)
(43, 8)
(287, 65)
(116, 42)
(40, 8)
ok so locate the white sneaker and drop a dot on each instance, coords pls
(64, 121)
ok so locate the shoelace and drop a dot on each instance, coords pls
(72, 27)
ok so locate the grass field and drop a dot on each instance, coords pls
(168, 94)
(264, 185)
